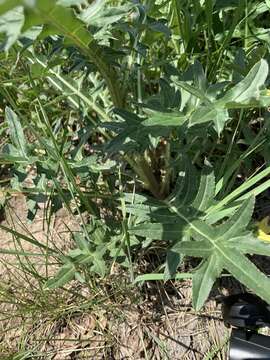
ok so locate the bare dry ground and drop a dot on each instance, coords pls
(110, 320)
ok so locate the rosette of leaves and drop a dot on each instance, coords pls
(182, 222)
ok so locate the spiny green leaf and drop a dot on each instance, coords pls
(173, 259)
(206, 192)
(99, 266)
(203, 280)
(16, 131)
(152, 213)
(245, 94)
(210, 113)
(212, 242)
(186, 185)
(157, 277)
(64, 275)
(11, 24)
(99, 15)
(192, 90)
(165, 119)
(201, 231)
(249, 245)
(193, 248)
(249, 87)
(158, 231)
(246, 272)
(238, 221)
(60, 19)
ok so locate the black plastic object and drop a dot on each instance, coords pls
(246, 311)
(247, 345)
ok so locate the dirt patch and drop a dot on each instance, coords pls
(56, 235)
(171, 331)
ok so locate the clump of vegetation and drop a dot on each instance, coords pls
(148, 121)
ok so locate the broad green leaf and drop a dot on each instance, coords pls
(99, 266)
(220, 120)
(246, 94)
(92, 165)
(206, 192)
(173, 260)
(249, 87)
(208, 113)
(100, 15)
(78, 276)
(204, 279)
(158, 231)
(64, 275)
(214, 243)
(11, 24)
(68, 87)
(61, 20)
(239, 221)
(246, 272)
(201, 231)
(93, 10)
(186, 185)
(11, 159)
(16, 131)
(7, 5)
(192, 90)
(149, 212)
(193, 248)
(250, 245)
(165, 119)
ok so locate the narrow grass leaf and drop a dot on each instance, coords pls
(160, 277)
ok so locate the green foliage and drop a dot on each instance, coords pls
(149, 117)
(222, 246)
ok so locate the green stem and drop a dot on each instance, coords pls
(166, 181)
(145, 173)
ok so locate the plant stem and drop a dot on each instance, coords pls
(166, 181)
(144, 171)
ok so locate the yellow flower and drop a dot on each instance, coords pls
(264, 229)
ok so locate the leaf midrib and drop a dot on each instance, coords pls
(214, 243)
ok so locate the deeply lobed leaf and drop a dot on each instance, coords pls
(222, 246)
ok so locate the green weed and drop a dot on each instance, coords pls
(148, 121)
